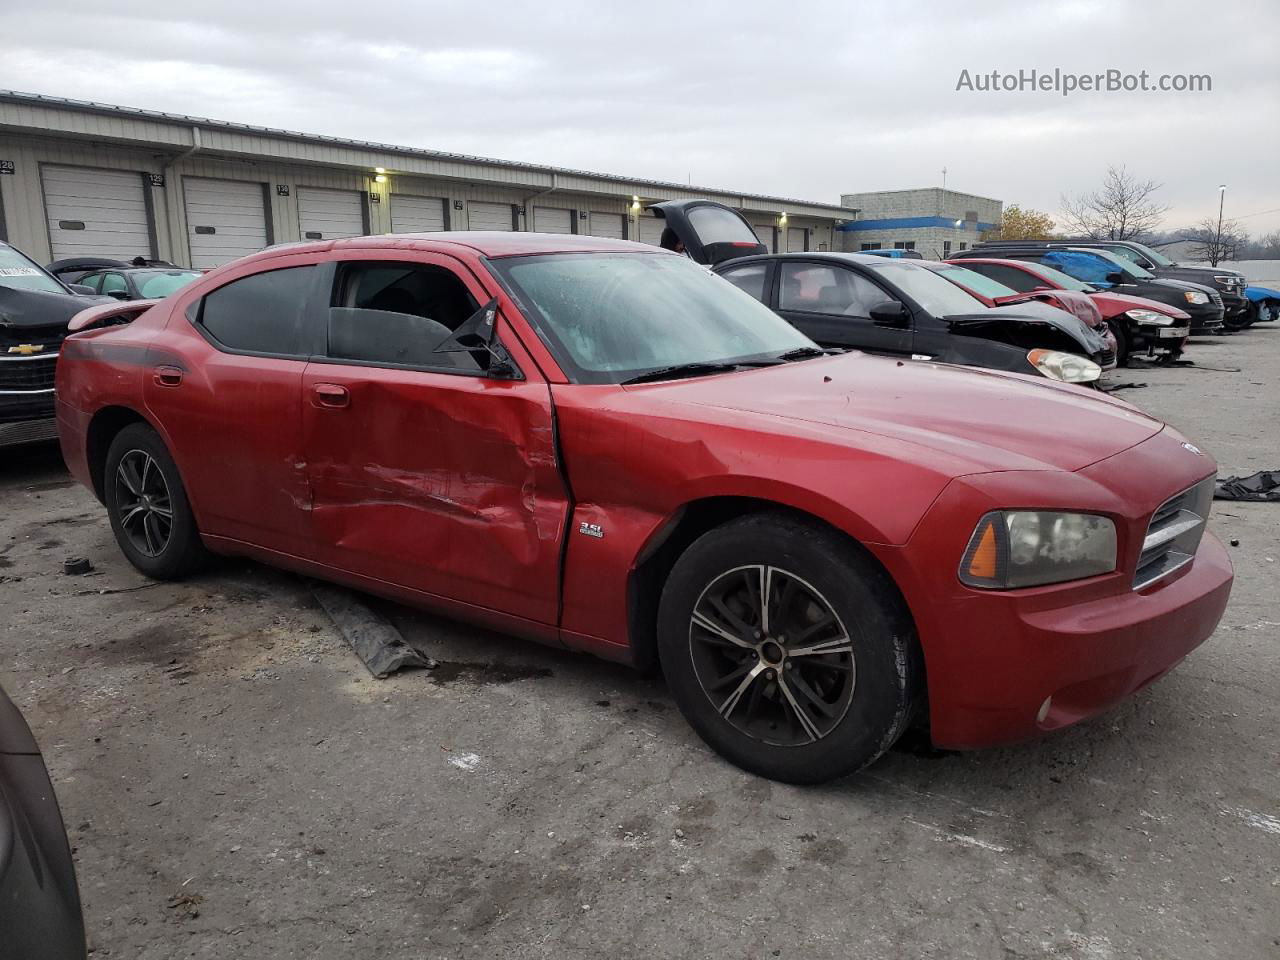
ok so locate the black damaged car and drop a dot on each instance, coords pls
(884, 305)
(34, 309)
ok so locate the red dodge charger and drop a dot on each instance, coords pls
(604, 446)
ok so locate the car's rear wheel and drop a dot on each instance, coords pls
(788, 649)
(1122, 342)
(148, 506)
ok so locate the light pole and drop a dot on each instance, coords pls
(1217, 243)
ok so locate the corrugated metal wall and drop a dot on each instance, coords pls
(307, 165)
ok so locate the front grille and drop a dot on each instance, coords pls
(27, 373)
(1173, 534)
(1215, 298)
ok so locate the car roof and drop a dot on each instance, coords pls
(487, 243)
(833, 256)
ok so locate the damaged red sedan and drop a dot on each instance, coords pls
(604, 446)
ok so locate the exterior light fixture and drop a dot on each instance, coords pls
(782, 218)
(379, 169)
(635, 203)
(380, 178)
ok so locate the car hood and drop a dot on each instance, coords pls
(35, 308)
(1113, 303)
(978, 420)
(1030, 312)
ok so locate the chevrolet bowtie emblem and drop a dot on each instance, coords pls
(27, 349)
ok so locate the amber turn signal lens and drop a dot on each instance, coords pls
(982, 562)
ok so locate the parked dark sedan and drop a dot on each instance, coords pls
(40, 915)
(139, 279)
(893, 306)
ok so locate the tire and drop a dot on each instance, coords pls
(868, 683)
(141, 483)
(1122, 342)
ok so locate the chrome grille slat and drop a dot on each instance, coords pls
(1173, 534)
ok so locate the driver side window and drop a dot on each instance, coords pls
(395, 314)
(835, 291)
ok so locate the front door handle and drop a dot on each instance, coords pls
(330, 395)
(168, 376)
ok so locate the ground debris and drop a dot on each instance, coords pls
(1263, 486)
(375, 641)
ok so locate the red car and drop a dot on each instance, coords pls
(1136, 323)
(996, 294)
(604, 446)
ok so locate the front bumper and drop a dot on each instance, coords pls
(1081, 658)
(1005, 666)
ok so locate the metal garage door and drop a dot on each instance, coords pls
(797, 239)
(225, 219)
(330, 214)
(651, 229)
(607, 225)
(765, 235)
(490, 216)
(417, 214)
(96, 212)
(552, 220)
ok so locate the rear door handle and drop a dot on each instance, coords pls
(330, 395)
(168, 376)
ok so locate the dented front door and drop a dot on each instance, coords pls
(442, 483)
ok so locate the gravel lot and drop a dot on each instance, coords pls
(237, 786)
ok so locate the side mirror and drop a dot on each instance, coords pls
(478, 334)
(118, 294)
(890, 313)
(1115, 278)
(82, 289)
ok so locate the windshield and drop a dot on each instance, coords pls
(609, 317)
(940, 297)
(1159, 259)
(19, 273)
(1132, 269)
(972, 280)
(1065, 281)
(154, 284)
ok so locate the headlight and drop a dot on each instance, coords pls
(1029, 548)
(1230, 279)
(1067, 367)
(1195, 296)
(1149, 318)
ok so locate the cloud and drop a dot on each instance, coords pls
(805, 100)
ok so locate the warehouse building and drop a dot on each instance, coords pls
(933, 221)
(81, 178)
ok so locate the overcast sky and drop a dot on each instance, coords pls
(793, 99)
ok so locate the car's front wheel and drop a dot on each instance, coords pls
(148, 506)
(1122, 342)
(788, 649)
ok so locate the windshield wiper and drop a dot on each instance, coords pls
(802, 353)
(681, 370)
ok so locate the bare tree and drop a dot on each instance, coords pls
(1124, 208)
(1213, 242)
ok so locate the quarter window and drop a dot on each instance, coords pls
(261, 313)
(396, 314)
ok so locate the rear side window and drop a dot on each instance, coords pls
(262, 313)
(114, 283)
(749, 279)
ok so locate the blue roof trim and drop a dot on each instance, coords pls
(906, 223)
